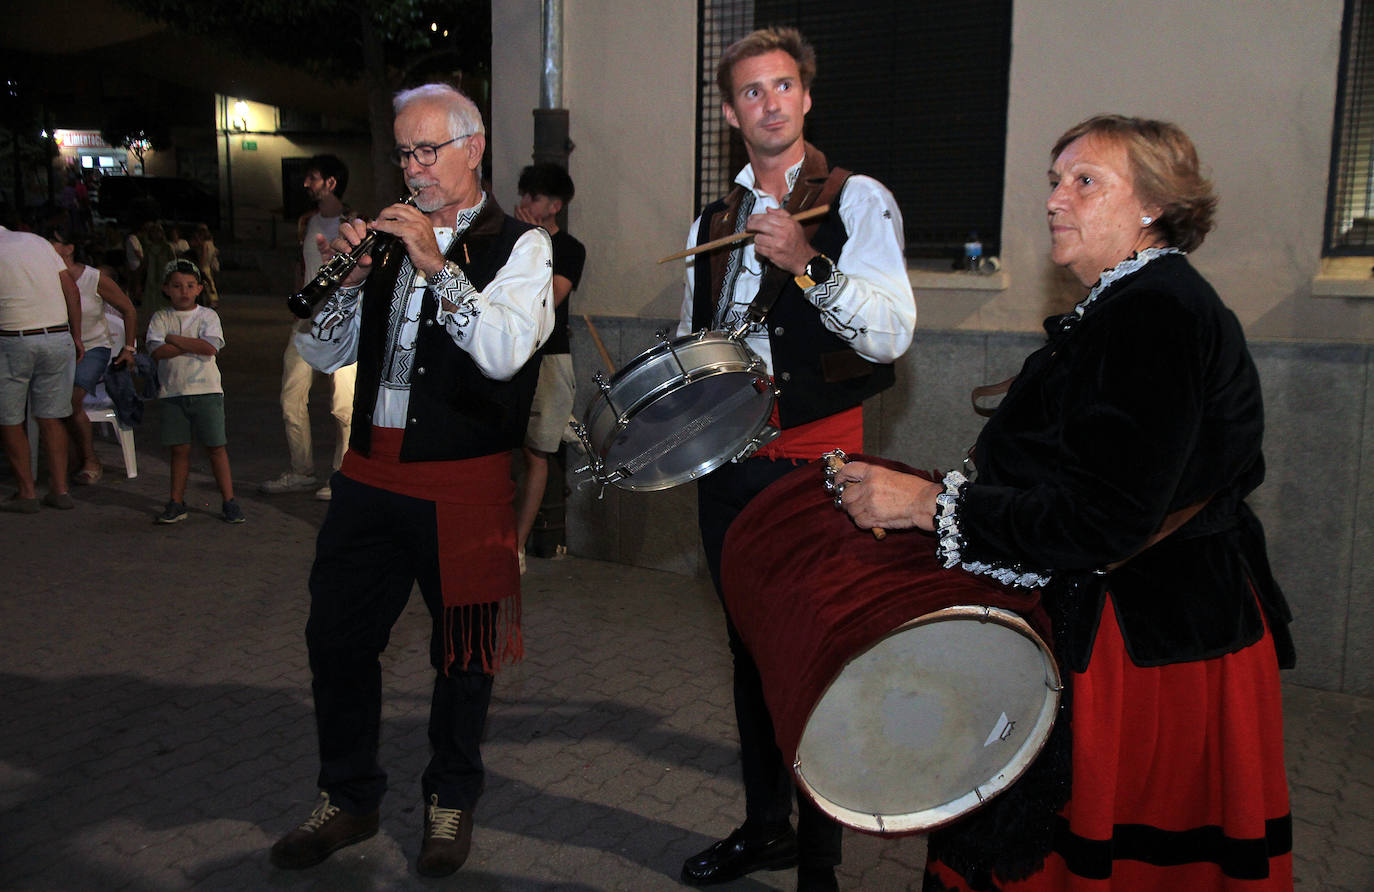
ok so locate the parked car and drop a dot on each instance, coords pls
(128, 199)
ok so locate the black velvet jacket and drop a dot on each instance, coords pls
(1147, 404)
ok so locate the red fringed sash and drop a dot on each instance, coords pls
(843, 430)
(474, 512)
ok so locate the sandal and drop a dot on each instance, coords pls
(17, 505)
(86, 478)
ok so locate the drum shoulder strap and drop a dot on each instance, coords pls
(1172, 521)
(984, 391)
(813, 189)
(817, 184)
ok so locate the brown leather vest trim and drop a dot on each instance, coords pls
(810, 185)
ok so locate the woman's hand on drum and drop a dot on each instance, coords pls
(878, 497)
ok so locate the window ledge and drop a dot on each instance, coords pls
(1344, 277)
(1334, 286)
(953, 280)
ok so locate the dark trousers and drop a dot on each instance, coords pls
(768, 788)
(373, 548)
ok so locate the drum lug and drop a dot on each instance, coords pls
(595, 466)
(606, 394)
(677, 360)
(762, 438)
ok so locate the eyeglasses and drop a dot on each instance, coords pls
(424, 154)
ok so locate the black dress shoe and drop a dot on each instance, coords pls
(744, 851)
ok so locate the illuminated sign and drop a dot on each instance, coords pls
(80, 139)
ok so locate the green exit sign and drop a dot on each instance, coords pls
(250, 145)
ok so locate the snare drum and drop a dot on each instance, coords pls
(903, 694)
(677, 411)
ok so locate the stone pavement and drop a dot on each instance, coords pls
(156, 729)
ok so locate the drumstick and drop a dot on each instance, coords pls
(834, 462)
(600, 347)
(742, 236)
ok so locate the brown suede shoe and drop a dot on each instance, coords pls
(327, 830)
(448, 838)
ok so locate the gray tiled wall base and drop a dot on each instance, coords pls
(1317, 503)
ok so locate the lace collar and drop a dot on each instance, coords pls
(1130, 265)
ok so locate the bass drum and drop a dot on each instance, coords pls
(903, 694)
(677, 411)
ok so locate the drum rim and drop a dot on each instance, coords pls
(931, 817)
(643, 357)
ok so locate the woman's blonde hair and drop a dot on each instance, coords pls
(1165, 170)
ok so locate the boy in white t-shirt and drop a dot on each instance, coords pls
(185, 338)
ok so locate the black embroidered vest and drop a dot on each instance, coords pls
(818, 373)
(455, 411)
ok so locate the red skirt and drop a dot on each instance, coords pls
(1178, 778)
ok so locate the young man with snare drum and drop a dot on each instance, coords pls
(843, 312)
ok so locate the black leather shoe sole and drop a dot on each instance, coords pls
(727, 860)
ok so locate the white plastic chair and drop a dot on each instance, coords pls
(121, 431)
(98, 415)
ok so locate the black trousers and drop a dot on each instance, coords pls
(768, 787)
(373, 548)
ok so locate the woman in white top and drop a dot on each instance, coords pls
(97, 289)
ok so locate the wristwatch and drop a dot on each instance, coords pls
(818, 271)
(442, 276)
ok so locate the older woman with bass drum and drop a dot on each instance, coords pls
(1112, 478)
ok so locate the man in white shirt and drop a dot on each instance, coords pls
(326, 178)
(443, 321)
(829, 308)
(40, 343)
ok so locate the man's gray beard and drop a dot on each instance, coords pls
(427, 206)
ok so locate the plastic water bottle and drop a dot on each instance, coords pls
(973, 253)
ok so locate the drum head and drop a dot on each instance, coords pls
(930, 721)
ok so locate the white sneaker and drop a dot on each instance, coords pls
(290, 481)
(324, 493)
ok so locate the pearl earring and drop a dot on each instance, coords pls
(1146, 221)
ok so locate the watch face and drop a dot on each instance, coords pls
(819, 268)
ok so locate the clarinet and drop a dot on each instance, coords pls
(336, 269)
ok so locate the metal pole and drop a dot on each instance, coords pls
(551, 75)
(551, 141)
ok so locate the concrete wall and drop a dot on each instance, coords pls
(629, 71)
(1253, 84)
